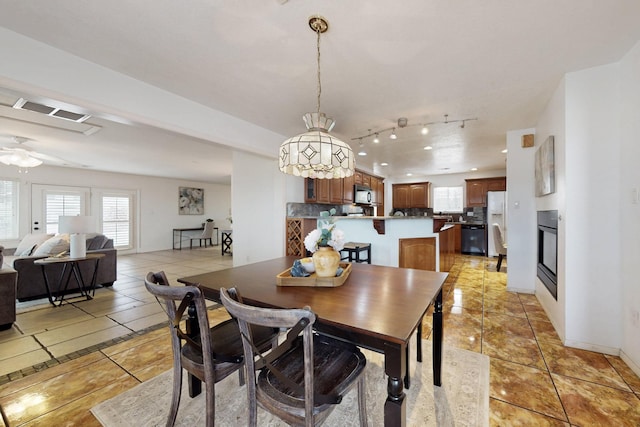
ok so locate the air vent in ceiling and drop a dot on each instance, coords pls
(23, 104)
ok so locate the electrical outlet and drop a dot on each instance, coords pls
(635, 317)
(470, 213)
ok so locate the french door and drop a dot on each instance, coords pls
(48, 202)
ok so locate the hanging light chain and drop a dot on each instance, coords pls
(318, 55)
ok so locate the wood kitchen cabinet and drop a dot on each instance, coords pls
(347, 189)
(340, 191)
(419, 195)
(401, 198)
(414, 195)
(457, 229)
(477, 190)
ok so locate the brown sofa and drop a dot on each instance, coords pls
(31, 283)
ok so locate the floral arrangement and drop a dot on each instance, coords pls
(325, 235)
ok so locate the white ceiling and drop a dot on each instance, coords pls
(495, 60)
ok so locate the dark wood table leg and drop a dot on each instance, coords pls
(193, 329)
(437, 340)
(395, 408)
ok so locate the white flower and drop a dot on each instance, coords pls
(337, 239)
(326, 235)
(311, 241)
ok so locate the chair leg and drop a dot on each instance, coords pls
(499, 262)
(211, 403)
(362, 402)
(175, 396)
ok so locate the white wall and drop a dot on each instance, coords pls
(552, 122)
(521, 214)
(592, 214)
(156, 207)
(259, 192)
(630, 206)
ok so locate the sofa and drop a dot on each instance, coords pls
(8, 278)
(32, 247)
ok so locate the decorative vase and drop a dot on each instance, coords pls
(326, 260)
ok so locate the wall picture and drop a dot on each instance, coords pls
(545, 168)
(190, 201)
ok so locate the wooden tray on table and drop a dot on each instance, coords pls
(285, 278)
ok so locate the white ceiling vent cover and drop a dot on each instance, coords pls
(23, 104)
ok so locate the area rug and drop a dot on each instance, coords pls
(463, 400)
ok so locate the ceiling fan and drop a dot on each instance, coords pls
(15, 152)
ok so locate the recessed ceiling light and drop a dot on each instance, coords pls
(428, 147)
(362, 153)
(384, 164)
(409, 174)
(474, 169)
(505, 151)
(425, 130)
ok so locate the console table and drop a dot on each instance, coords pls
(70, 264)
(177, 232)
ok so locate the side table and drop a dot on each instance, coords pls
(71, 265)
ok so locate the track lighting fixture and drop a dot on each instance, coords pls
(403, 123)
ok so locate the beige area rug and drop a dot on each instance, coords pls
(463, 400)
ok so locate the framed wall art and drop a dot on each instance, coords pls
(545, 168)
(190, 201)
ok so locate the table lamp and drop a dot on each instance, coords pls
(76, 227)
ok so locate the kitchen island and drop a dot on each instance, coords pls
(385, 248)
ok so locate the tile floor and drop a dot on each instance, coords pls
(49, 377)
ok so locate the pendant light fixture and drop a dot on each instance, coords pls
(316, 153)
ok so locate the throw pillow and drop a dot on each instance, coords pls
(53, 246)
(30, 241)
(97, 242)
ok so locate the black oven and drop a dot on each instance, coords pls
(548, 250)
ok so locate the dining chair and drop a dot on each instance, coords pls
(223, 343)
(499, 245)
(304, 378)
(207, 235)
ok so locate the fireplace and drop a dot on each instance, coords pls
(548, 250)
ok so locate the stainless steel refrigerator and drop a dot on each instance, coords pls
(496, 214)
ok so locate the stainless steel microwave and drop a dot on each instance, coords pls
(362, 195)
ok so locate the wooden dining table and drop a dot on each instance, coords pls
(377, 307)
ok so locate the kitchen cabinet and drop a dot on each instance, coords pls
(458, 238)
(340, 191)
(325, 191)
(419, 195)
(418, 252)
(447, 249)
(477, 190)
(414, 195)
(347, 189)
(400, 196)
(357, 177)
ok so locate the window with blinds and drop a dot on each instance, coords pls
(116, 220)
(8, 209)
(447, 199)
(60, 204)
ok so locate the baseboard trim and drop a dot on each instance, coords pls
(593, 347)
(630, 363)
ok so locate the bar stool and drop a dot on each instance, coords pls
(353, 252)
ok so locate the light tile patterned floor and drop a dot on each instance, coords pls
(535, 381)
